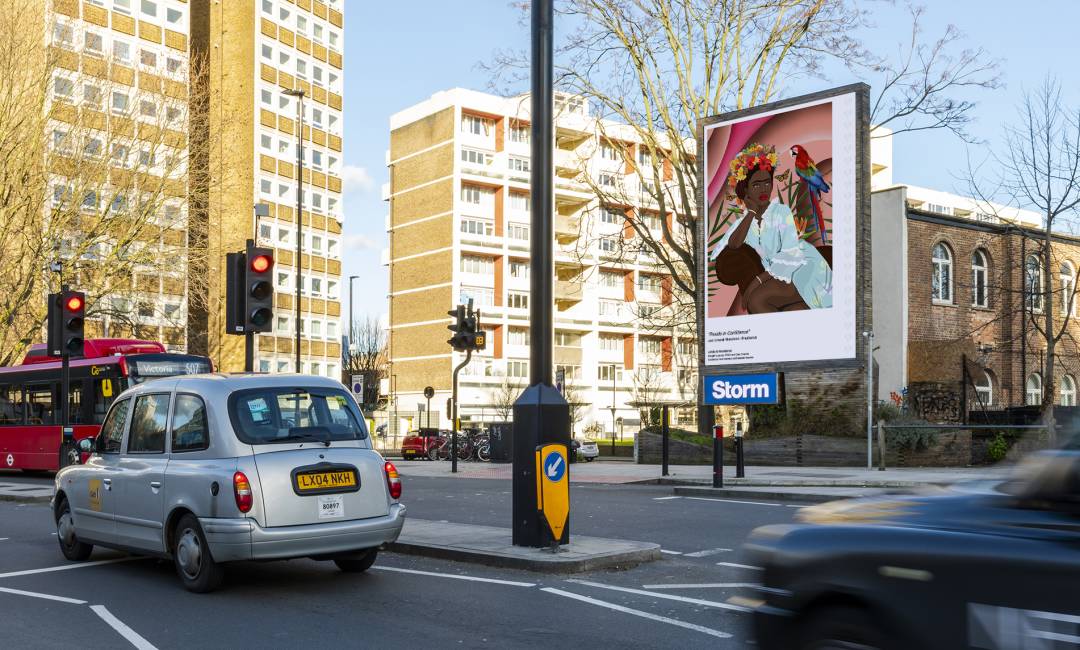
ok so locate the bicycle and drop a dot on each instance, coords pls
(483, 448)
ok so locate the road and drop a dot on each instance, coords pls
(680, 601)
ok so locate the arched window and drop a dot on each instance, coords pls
(1068, 391)
(979, 272)
(1068, 288)
(1033, 283)
(1033, 390)
(941, 283)
(984, 389)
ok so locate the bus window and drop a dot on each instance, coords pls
(10, 404)
(75, 414)
(39, 404)
(105, 392)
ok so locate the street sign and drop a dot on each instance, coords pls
(553, 486)
(357, 382)
(742, 389)
(560, 379)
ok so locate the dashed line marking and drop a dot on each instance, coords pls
(664, 550)
(131, 635)
(510, 583)
(34, 594)
(709, 551)
(740, 566)
(749, 503)
(65, 567)
(638, 612)
(642, 592)
(665, 498)
(706, 585)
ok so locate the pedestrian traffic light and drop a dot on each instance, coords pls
(259, 287)
(67, 314)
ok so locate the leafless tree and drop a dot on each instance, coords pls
(503, 397)
(646, 393)
(575, 398)
(366, 355)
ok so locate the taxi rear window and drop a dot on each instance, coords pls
(285, 415)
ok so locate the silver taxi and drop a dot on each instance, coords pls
(208, 469)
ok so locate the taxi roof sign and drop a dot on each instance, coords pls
(553, 487)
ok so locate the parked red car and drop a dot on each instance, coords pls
(417, 443)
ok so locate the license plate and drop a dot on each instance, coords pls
(331, 506)
(319, 481)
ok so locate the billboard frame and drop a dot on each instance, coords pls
(863, 287)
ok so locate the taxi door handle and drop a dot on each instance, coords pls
(107, 482)
(155, 484)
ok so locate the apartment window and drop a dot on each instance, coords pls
(687, 348)
(283, 366)
(475, 125)
(644, 157)
(647, 309)
(1033, 283)
(649, 283)
(268, 53)
(94, 43)
(93, 147)
(608, 151)
(317, 74)
(519, 270)
(1068, 288)
(609, 244)
(609, 372)
(332, 246)
(938, 208)
(516, 368)
(172, 16)
(569, 372)
(651, 221)
(607, 180)
(470, 194)
(520, 134)
(649, 345)
(316, 328)
(648, 372)
(283, 280)
(317, 158)
(268, 7)
(1033, 389)
(612, 216)
(331, 289)
(477, 265)
(282, 325)
(518, 231)
(147, 58)
(64, 35)
(59, 139)
(264, 365)
(1067, 391)
(609, 308)
(146, 158)
(941, 282)
(265, 231)
(316, 243)
(147, 108)
(481, 296)
(123, 6)
(284, 235)
(979, 271)
(517, 336)
(119, 153)
(121, 51)
(520, 202)
(331, 329)
(119, 102)
(318, 32)
(92, 96)
(474, 157)
(568, 339)
(317, 117)
(63, 87)
(173, 65)
(301, 68)
(518, 164)
(149, 7)
(266, 187)
(283, 14)
(316, 286)
(517, 300)
(611, 342)
(334, 39)
(478, 227)
(173, 114)
(266, 142)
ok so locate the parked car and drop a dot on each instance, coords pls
(991, 565)
(588, 450)
(418, 444)
(210, 469)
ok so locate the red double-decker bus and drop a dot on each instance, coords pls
(31, 434)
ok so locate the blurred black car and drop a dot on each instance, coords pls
(993, 565)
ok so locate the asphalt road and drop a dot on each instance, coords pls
(680, 601)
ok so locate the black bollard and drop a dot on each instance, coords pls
(718, 457)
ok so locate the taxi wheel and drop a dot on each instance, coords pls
(70, 545)
(191, 555)
(357, 563)
(589, 459)
(841, 628)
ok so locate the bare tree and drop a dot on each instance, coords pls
(575, 398)
(660, 67)
(647, 387)
(1038, 169)
(503, 397)
(366, 355)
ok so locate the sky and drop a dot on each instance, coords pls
(400, 53)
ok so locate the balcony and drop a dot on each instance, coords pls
(568, 291)
(567, 229)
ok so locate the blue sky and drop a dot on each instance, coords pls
(399, 53)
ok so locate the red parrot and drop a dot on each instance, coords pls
(815, 184)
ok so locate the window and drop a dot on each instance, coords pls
(610, 308)
(477, 265)
(519, 270)
(647, 309)
(938, 208)
(173, 16)
(517, 300)
(268, 53)
(644, 158)
(979, 271)
(649, 283)
(517, 336)
(609, 244)
(64, 34)
(607, 180)
(1068, 391)
(941, 282)
(520, 134)
(1068, 288)
(149, 7)
(282, 324)
(123, 6)
(1033, 288)
(92, 95)
(173, 65)
(301, 24)
(470, 194)
(518, 231)
(612, 216)
(268, 7)
(316, 243)
(651, 221)
(477, 226)
(520, 202)
(112, 431)
(610, 342)
(273, 415)
(316, 328)
(609, 372)
(570, 373)
(119, 102)
(148, 424)
(649, 346)
(481, 296)
(147, 58)
(1033, 390)
(316, 286)
(474, 157)
(94, 43)
(475, 125)
(608, 151)
(515, 368)
(331, 288)
(611, 279)
(63, 87)
(331, 329)
(264, 367)
(517, 164)
(147, 108)
(984, 389)
(121, 51)
(568, 339)
(39, 404)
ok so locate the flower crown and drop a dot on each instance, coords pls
(755, 156)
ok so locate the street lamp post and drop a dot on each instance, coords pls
(299, 95)
(351, 343)
(613, 410)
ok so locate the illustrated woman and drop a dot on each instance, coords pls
(793, 275)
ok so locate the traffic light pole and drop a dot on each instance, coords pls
(65, 388)
(454, 414)
(249, 351)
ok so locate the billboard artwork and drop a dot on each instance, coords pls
(780, 200)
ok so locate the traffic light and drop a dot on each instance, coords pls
(466, 329)
(67, 313)
(259, 285)
(457, 341)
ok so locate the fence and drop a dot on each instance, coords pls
(956, 445)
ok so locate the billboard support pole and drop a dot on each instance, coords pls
(869, 334)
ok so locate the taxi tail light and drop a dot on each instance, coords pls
(242, 491)
(393, 480)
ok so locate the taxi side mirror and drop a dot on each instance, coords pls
(85, 446)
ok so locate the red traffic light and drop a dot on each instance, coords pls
(261, 263)
(74, 303)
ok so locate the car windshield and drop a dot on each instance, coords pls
(279, 415)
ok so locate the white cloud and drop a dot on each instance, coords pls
(356, 179)
(359, 243)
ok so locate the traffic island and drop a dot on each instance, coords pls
(491, 546)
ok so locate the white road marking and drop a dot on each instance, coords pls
(65, 567)
(4, 539)
(749, 503)
(510, 583)
(709, 551)
(637, 612)
(34, 594)
(131, 635)
(664, 550)
(740, 566)
(796, 505)
(706, 585)
(665, 498)
(642, 592)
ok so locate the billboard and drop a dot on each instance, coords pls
(780, 198)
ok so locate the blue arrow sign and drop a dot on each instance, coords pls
(554, 467)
